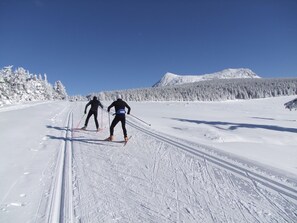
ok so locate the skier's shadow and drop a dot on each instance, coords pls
(57, 127)
(74, 139)
(234, 126)
(81, 139)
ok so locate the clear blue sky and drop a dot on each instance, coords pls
(94, 45)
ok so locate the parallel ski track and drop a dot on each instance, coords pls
(61, 198)
(269, 183)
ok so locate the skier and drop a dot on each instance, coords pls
(95, 103)
(120, 116)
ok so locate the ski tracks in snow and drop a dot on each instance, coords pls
(231, 193)
(156, 178)
(60, 199)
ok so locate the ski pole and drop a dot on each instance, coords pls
(102, 118)
(109, 119)
(80, 120)
(140, 120)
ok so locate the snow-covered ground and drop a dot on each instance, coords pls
(261, 130)
(232, 161)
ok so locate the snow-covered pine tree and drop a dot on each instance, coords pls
(20, 85)
(60, 91)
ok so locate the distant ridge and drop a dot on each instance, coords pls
(170, 79)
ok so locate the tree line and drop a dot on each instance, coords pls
(214, 90)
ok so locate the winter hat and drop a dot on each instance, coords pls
(94, 98)
(119, 96)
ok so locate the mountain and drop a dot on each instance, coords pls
(170, 79)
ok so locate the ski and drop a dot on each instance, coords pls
(125, 142)
(122, 141)
(87, 130)
(100, 130)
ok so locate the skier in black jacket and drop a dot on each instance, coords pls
(120, 116)
(95, 103)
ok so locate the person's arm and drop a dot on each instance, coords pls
(87, 107)
(110, 106)
(100, 105)
(129, 109)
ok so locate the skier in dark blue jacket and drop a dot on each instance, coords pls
(95, 103)
(120, 116)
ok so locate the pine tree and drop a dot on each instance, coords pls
(60, 91)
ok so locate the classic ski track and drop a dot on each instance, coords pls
(246, 173)
(61, 196)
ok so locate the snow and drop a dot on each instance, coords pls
(232, 161)
(170, 79)
(250, 128)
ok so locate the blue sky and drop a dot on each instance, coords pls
(95, 45)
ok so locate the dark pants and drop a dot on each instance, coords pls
(116, 120)
(95, 118)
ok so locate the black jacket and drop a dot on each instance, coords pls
(94, 105)
(119, 106)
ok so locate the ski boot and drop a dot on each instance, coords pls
(110, 138)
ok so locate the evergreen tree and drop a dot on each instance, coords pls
(20, 85)
(60, 91)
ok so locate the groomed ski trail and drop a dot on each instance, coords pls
(61, 196)
(160, 179)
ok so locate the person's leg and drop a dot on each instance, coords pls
(123, 121)
(113, 124)
(88, 117)
(96, 121)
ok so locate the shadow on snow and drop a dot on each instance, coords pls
(80, 139)
(234, 126)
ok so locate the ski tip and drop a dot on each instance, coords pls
(125, 142)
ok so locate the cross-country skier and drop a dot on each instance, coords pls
(120, 116)
(95, 103)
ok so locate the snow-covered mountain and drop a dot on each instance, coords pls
(170, 79)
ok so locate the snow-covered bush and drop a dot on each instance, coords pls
(19, 85)
(60, 91)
